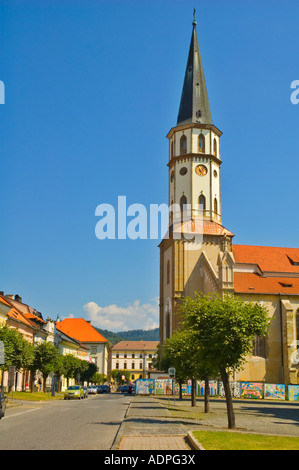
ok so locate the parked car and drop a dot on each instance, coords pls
(92, 390)
(122, 388)
(74, 391)
(85, 390)
(103, 389)
(2, 403)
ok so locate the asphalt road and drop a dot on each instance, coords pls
(89, 424)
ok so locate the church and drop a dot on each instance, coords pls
(199, 254)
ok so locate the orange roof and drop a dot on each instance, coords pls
(206, 227)
(255, 284)
(268, 258)
(81, 330)
(14, 312)
(136, 345)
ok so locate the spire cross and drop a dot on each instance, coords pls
(194, 21)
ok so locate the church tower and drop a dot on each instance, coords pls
(197, 253)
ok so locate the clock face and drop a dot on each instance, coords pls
(201, 170)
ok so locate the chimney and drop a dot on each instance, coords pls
(18, 298)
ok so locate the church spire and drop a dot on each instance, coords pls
(194, 105)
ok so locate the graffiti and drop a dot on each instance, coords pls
(163, 387)
(213, 389)
(293, 392)
(145, 386)
(251, 390)
(275, 391)
(235, 388)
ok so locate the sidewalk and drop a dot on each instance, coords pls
(148, 425)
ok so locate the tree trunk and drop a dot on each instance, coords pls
(228, 397)
(180, 390)
(193, 393)
(207, 394)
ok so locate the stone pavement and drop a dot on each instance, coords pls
(148, 425)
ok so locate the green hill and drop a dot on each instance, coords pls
(132, 335)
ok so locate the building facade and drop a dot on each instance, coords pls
(136, 357)
(198, 253)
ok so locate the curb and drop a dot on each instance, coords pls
(194, 442)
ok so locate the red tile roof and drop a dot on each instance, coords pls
(81, 330)
(207, 227)
(251, 283)
(268, 258)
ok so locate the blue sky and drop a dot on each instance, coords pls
(91, 90)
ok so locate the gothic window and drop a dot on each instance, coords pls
(201, 143)
(168, 272)
(183, 145)
(260, 347)
(215, 206)
(215, 152)
(183, 203)
(202, 202)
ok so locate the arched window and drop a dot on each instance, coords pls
(201, 143)
(202, 202)
(168, 272)
(215, 206)
(183, 203)
(171, 149)
(215, 152)
(183, 145)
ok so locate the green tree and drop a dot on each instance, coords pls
(225, 329)
(18, 351)
(89, 372)
(98, 378)
(69, 366)
(44, 359)
(117, 374)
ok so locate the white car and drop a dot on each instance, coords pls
(92, 390)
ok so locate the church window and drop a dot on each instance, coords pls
(201, 143)
(260, 347)
(215, 152)
(202, 202)
(215, 206)
(183, 145)
(183, 203)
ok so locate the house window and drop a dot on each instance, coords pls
(117, 355)
(133, 355)
(125, 365)
(133, 365)
(117, 365)
(183, 145)
(125, 355)
(140, 365)
(201, 143)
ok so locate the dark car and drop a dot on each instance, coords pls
(103, 389)
(2, 403)
(122, 388)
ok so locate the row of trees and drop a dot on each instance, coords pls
(214, 338)
(44, 357)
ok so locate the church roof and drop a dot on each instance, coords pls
(194, 106)
(252, 283)
(266, 269)
(268, 258)
(205, 227)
